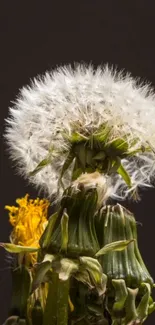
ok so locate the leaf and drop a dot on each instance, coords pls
(114, 246)
(121, 171)
(64, 231)
(41, 271)
(12, 248)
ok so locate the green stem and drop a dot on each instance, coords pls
(56, 310)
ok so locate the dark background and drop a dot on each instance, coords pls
(39, 35)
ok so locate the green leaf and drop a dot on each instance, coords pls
(40, 166)
(12, 248)
(114, 246)
(21, 281)
(41, 271)
(64, 231)
(121, 171)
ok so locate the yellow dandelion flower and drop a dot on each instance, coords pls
(29, 220)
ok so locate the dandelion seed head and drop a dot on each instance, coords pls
(82, 99)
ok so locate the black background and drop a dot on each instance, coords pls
(39, 35)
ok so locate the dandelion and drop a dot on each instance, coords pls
(64, 103)
(29, 220)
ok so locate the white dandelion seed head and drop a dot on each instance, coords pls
(87, 98)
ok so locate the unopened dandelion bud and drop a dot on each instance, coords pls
(119, 224)
(129, 282)
(72, 229)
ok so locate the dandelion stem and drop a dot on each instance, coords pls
(56, 310)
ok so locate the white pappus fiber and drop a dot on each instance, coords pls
(88, 97)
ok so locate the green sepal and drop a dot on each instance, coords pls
(114, 246)
(76, 173)
(116, 147)
(45, 162)
(64, 231)
(130, 306)
(21, 281)
(46, 237)
(142, 309)
(80, 154)
(100, 156)
(98, 279)
(121, 294)
(68, 267)
(122, 172)
(66, 165)
(151, 308)
(77, 137)
(12, 248)
(41, 270)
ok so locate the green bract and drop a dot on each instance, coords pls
(102, 151)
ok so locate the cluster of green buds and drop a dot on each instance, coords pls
(89, 256)
(88, 262)
(128, 298)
